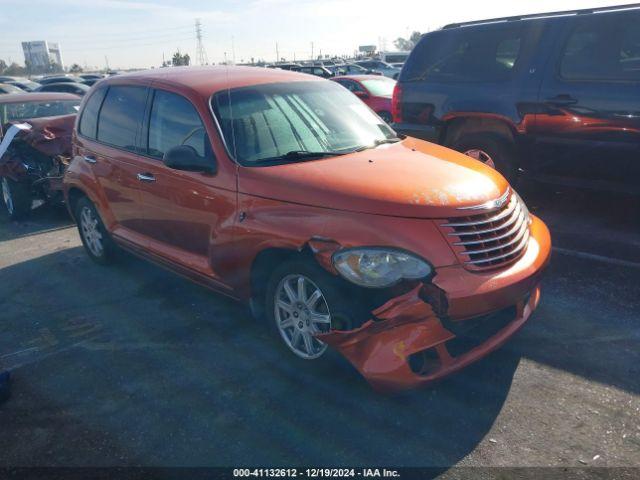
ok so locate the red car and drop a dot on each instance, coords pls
(374, 90)
(284, 191)
(35, 148)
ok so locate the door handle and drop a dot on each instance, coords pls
(561, 100)
(89, 159)
(146, 177)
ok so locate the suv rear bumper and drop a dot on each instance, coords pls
(429, 133)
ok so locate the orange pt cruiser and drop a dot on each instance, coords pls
(285, 191)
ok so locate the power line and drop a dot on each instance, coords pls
(109, 36)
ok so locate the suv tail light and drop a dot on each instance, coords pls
(396, 108)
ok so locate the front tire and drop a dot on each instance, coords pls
(95, 238)
(302, 299)
(16, 198)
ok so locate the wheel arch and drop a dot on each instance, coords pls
(457, 126)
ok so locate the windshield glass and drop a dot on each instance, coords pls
(263, 122)
(24, 110)
(379, 87)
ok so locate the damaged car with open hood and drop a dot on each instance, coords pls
(287, 192)
(35, 148)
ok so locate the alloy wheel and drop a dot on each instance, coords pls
(6, 195)
(89, 227)
(301, 312)
(482, 156)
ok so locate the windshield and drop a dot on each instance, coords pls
(379, 87)
(264, 122)
(24, 110)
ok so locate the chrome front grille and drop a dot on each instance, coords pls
(491, 239)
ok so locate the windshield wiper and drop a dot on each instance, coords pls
(298, 155)
(377, 143)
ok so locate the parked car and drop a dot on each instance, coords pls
(353, 69)
(316, 70)
(34, 157)
(285, 191)
(23, 84)
(67, 87)
(25, 106)
(6, 88)
(394, 57)
(60, 79)
(555, 96)
(374, 90)
(286, 66)
(380, 66)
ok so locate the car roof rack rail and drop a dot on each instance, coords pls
(631, 6)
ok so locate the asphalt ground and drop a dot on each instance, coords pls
(133, 365)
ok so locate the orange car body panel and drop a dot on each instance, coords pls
(211, 227)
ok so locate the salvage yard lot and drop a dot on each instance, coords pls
(134, 365)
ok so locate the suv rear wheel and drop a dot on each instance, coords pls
(16, 198)
(491, 150)
(95, 238)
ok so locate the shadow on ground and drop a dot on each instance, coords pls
(133, 365)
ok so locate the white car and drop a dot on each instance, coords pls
(382, 67)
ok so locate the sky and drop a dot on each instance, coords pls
(136, 34)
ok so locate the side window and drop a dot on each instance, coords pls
(121, 115)
(350, 85)
(174, 121)
(476, 54)
(89, 119)
(603, 50)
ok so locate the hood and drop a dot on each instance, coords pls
(411, 178)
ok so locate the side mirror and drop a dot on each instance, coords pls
(360, 94)
(185, 157)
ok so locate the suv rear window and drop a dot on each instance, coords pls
(121, 115)
(486, 53)
(603, 50)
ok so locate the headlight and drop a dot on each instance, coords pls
(379, 267)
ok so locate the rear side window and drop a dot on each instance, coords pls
(174, 121)
(89, 120)
(467, 54)
(121, 115)
(603, 49)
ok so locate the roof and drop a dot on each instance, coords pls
(36, 97)
(210, 79)
(535, 16)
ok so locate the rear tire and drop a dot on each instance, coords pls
(491, 150)
(95, 238)
(16, 198)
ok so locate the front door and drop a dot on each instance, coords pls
(588, 123)
(183, 210)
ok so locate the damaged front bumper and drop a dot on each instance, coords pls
(439, 328)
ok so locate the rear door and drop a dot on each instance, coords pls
(588, 124)
(107, 140)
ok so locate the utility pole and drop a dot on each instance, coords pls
(277, 53)
(233, 50)
(201, 54)
(311, 50)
